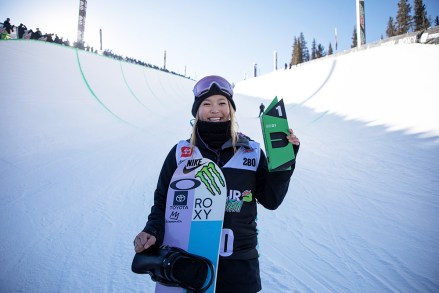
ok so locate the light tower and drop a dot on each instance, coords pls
(164, 60)
(361, 24)
(100, 37)
(81, 22)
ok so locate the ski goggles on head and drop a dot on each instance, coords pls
(203, 85)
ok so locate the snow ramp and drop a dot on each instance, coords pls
(391, 85)
(83, 138)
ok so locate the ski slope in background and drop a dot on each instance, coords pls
(83, 137)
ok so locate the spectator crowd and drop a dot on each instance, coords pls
(10, 31)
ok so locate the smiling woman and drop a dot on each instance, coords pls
(248, 182)
(215, 108)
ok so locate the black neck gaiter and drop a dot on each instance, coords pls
(215, 134)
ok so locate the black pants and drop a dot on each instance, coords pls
(238, 276)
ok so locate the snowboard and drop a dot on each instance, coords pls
(194, 214)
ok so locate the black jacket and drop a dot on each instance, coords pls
(267, 188)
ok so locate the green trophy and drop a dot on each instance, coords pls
(274, 123)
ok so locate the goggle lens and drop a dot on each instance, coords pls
(204, 85)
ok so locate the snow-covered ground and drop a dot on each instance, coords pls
(83, 137)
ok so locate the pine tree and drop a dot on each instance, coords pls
(293, 53)
(313, 49)
(305, 51)
(330, 51)
(299, 57)
(436, 21)
(320, 51)
(403, 18)
(297, 53)
(391, 30)
(354, 38)
(420, 18)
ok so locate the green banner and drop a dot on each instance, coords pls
(274, 123)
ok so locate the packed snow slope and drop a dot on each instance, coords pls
(83, 138)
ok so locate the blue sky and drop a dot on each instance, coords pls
(208, 37)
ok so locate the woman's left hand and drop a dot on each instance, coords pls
(292, 138)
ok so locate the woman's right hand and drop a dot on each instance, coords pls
(143, 241)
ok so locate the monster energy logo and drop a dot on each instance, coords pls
(207, 176)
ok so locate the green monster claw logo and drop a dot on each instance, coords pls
(206, 175)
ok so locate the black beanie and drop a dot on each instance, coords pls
(214, 90)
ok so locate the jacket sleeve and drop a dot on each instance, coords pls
(156, 219)
(271, 187)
